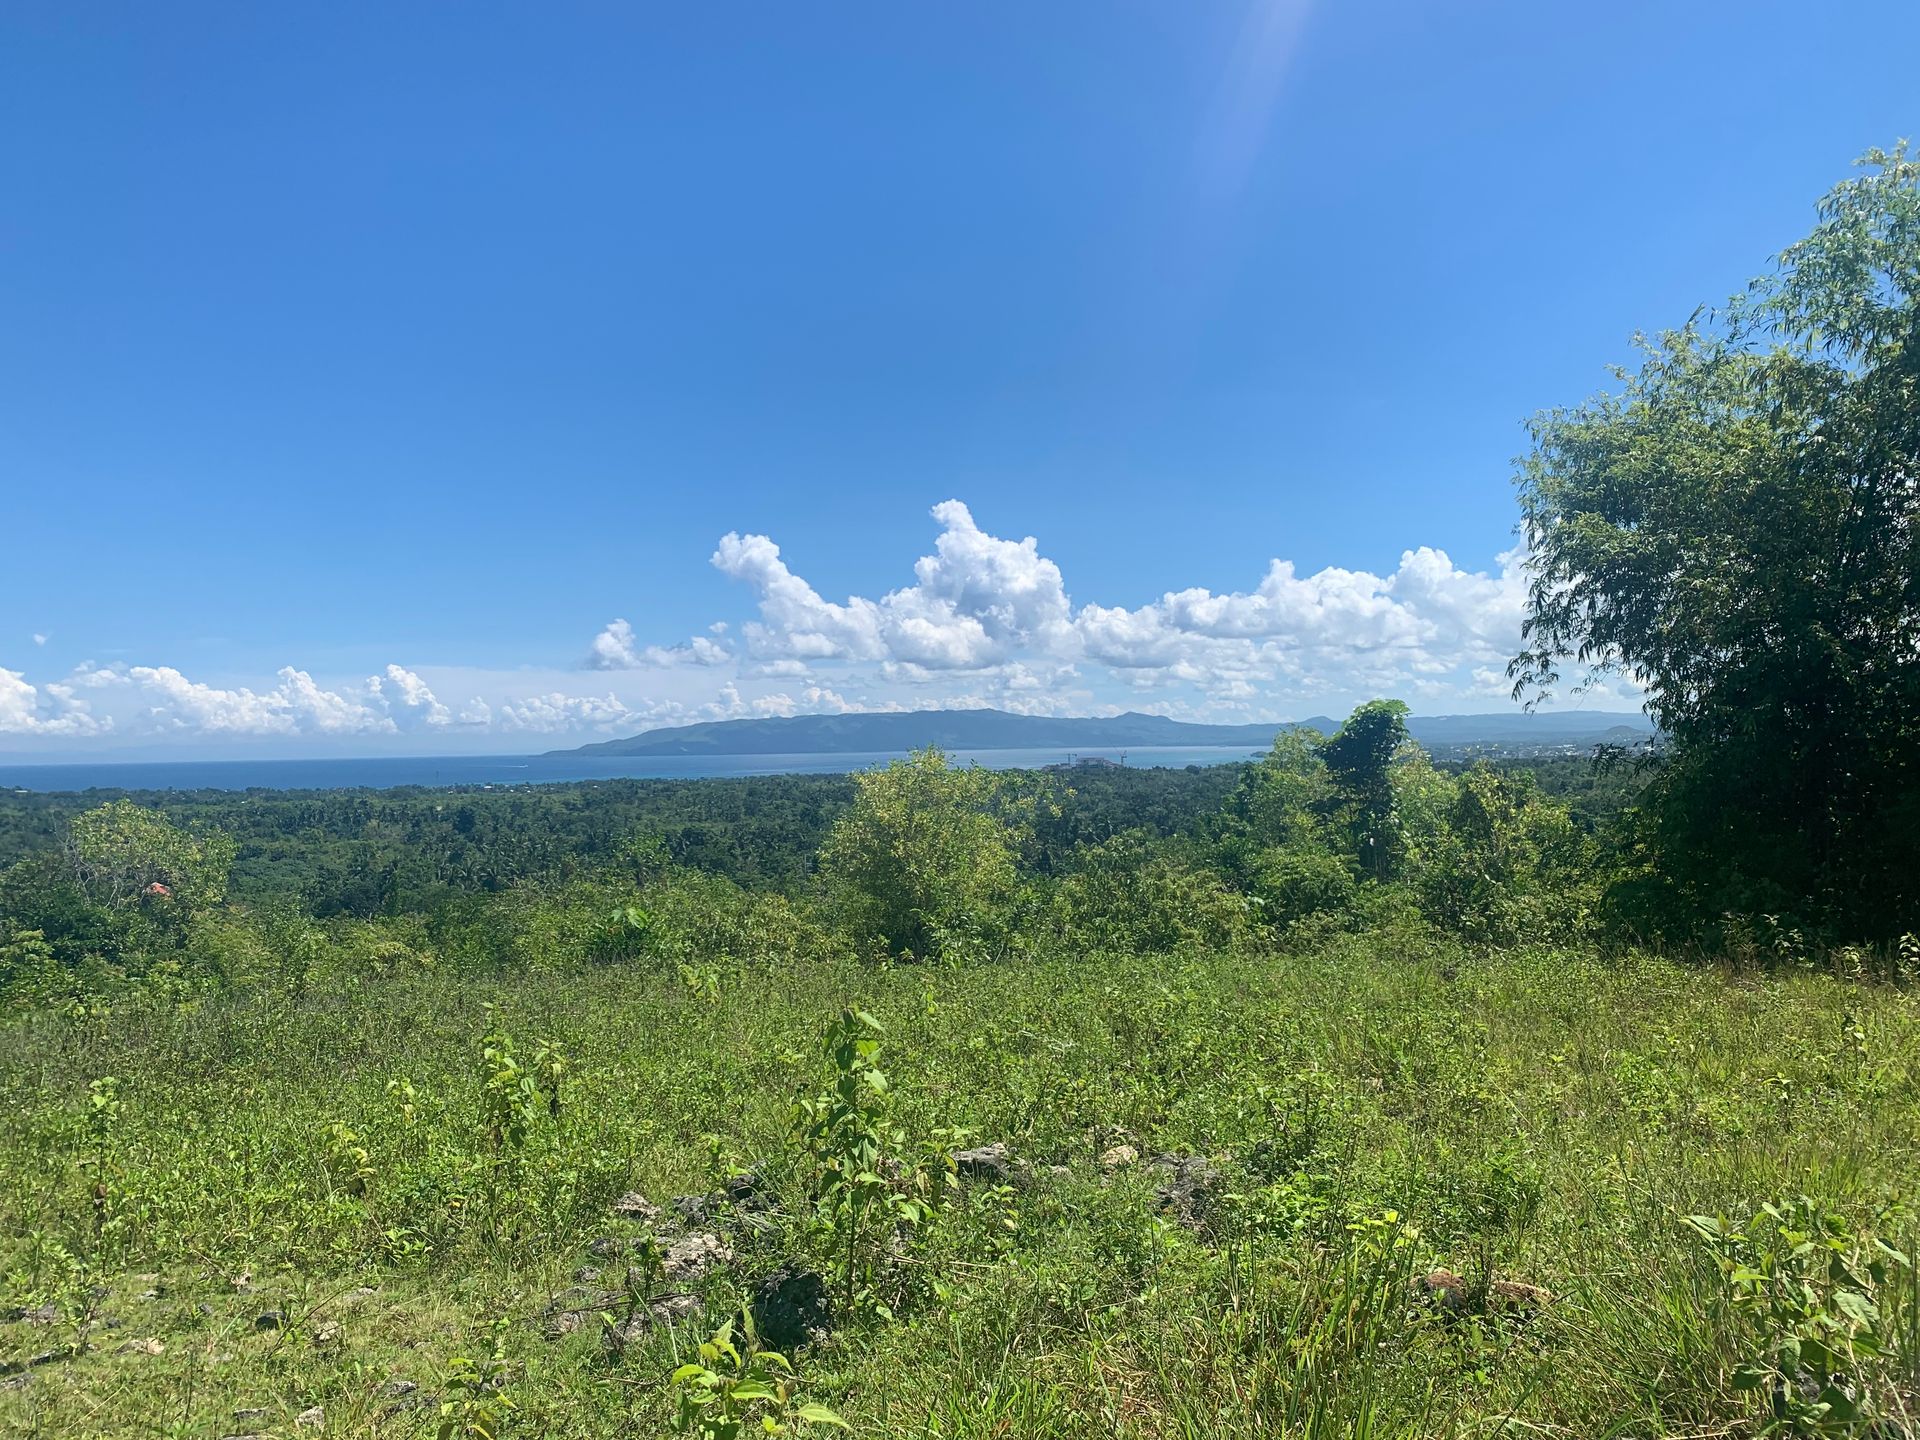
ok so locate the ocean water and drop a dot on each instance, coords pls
(387, 772)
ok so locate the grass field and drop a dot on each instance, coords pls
(335, 1213)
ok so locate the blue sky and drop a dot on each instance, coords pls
(440, 338)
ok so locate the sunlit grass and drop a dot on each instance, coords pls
(1545, 1117)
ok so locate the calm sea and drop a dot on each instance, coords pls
(385, 772)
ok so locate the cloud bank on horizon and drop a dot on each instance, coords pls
(985, 621)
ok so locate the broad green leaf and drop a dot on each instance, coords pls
(820, 1415)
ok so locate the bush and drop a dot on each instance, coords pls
(922, 864)
(1126, 898)
(1292, 882)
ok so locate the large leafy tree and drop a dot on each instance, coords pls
(1738, 531)
(125, 854)
(1318, 813)
(1359, 759)
(922, 862)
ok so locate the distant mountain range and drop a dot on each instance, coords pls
(999, 730)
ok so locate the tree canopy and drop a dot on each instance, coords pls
(923, 860)
(1738, 531)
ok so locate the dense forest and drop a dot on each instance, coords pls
(1339, 1093)
(1280, 842)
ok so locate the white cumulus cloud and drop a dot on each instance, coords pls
(52, 709)
(553, 713)
(980, 620)
(795, 622)
(978, 600)
(407, 700)
(616, 648)
(296, 706)
(980, 604)
(160, 699)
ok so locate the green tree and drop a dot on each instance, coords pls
(1284, 800)
(923, 860)
(1359, 759)
(125, 854)
(1491, 857)
(1739, 532)
(29, 973)
(1133, 895)
(1292, 882)
(41, 893)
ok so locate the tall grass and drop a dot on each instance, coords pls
(1375, 1109)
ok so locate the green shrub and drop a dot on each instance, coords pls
(922, 864)
(1293, 882)
(1126, 897)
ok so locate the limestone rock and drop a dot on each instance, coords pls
(790, 1307)
(990, 1163)
(691, 1257)
(635, 1206)
(1449, 1290)
(1454, 1294)
(1188, 1191)
(661, 1310)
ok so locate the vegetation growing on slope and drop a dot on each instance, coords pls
(1364, 1115)
(1331, 1095)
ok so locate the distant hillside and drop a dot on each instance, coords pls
(1520, 728)
(998, 730)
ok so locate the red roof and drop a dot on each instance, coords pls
(156, 888)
